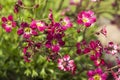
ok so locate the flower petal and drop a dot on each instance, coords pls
(4, 19)
(66, 57)
(10, 17)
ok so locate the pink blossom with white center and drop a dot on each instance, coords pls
(40, 25)
(87, 18)
(66, 64)
(8, 23)
(66, 23)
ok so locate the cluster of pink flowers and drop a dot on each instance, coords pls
(112, 48)
(94, 49)
(55, 33)
(116, 74)
(53, 41)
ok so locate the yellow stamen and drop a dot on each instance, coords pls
(27, 30)
(85, 20)
(63, 23)
(39, 24)
(97, 77)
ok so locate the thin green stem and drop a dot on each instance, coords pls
(60, 6)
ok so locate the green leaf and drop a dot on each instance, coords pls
(43, 73)
(27, 72)
(34, 73)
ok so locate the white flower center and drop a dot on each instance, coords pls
(39, 24)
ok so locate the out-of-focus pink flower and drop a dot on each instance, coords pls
(116, 75)
(66, 64)
(8, 23)
(50, 16)
(96, 74)
(87, 18)
(104, 31)
(66, 23)
(112, 48)
(75, 2)
(93, 0)
(27, 54)
(65, 10)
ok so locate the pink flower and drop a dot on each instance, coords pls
(94, 49)
(96, 74)
(99, 62)
(65, 10)
(116, 75)
(74, 2)
(66, 64)
(86, 18)
(66, 23)
(26, 30)
(112, 48)
(55, 48)
(93, 0)
(104, 31)
(50, 16)
(8, 23)
(40, 25)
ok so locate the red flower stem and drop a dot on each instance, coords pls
(117, 66)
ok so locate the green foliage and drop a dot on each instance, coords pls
(12, 65)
